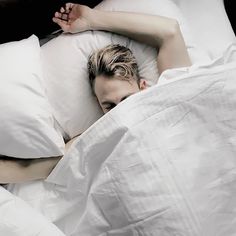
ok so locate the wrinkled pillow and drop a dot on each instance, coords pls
(65, 63)
(27, 126)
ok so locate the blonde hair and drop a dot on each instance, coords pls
(113, 60)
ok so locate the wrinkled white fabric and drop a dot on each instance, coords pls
(161, 163)
(17, 218)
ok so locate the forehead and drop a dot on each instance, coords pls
(109, 86)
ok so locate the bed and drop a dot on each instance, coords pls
(166, 165)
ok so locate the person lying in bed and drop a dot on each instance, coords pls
(113, 70)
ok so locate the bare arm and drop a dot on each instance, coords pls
(13, 170)
(16, 171)
(157, 31)
(160, 32)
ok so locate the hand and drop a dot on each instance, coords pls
(73, 18)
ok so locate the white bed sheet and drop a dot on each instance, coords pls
(92, 192)
(165, 166)
(17, 218)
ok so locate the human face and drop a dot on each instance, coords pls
(112, 90)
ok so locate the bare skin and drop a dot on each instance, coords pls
(112, 91)
(22, 170)
(159, 32)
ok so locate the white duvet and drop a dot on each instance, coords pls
(17, 218)
(161, 163)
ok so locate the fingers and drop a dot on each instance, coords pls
(69, 6)
(61, 15)
(62, 10)
(65, 11)
(62, 23)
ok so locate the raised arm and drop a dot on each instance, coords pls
(157, 31)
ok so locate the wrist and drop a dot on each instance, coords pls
(88, 16)
(95, 19)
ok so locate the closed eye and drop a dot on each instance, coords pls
(122, 99)
(110, 106)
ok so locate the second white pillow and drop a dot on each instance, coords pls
(27, 125)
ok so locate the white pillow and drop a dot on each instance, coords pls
(26, 120)
(210, 25)
(65, 63)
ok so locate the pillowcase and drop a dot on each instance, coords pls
(27, 125)
(216, 32)
(65, 63)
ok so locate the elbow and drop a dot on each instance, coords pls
(169, 32)
(172, 30)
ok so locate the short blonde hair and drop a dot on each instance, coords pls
(113, 60)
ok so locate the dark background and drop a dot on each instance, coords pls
(230, 10)
(21, 18)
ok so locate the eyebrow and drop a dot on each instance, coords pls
(111, 102)
(107, 103)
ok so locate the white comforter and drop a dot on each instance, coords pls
(17, 218)
(162, 163)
